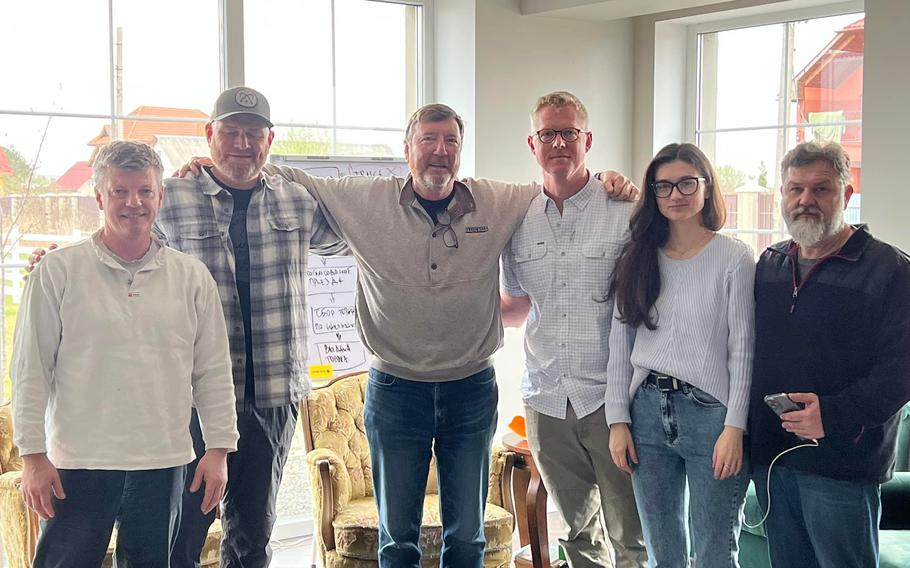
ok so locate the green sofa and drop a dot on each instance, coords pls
(894, 536)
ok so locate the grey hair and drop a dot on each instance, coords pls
(433, 113)
(808, 153)
(126, 155)
(560, 99)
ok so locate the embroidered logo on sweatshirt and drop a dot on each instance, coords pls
(477, 229)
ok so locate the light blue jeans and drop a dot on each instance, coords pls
(406, 421)
(674, 434)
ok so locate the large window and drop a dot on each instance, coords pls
(342, 77)
(761, 90)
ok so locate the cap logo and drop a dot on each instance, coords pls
(246, 98)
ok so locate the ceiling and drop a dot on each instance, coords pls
(604, 10)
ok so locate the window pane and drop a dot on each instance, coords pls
(175, 142)
(297, 141)
(811, 74)
(170, 54)
(370, 143)
(376, 62)
(747, 171)
(828, 57)
(740, 84)
(66, 141)
(288, 57)
(45, 196)
(58, 50)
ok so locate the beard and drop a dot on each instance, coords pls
(806, 231)
(436, 183)
(240, 172)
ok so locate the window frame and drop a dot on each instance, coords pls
(233, 71)
(693, 84)
(693, 96)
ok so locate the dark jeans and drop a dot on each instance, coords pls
(406, 421)
(144, 504)
(816, 521)
(248, 510)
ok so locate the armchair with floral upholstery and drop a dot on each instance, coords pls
(345, 516)
(19, 524)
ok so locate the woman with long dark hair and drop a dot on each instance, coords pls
(680, 363)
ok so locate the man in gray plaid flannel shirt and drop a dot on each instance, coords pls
(253, 232)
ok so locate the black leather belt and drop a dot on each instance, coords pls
(664, 383)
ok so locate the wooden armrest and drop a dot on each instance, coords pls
(505, 485)
(328, 511)
(331, 488)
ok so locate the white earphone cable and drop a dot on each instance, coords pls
(813, 444)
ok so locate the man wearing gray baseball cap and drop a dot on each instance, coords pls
(252, 231)
(242, 100)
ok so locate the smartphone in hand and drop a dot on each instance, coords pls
(780, 403)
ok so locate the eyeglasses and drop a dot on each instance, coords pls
(444, 226)
(568, 135)
(686, 186)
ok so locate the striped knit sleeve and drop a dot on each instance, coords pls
(619, 371)
(741, 339)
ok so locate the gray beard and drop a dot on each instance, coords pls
(436, 183)
(808, 232)
(240, 172)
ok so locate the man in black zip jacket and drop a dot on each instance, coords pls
(833, 332)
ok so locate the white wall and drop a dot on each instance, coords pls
(886, 121)
(522, 57)
(453, 67)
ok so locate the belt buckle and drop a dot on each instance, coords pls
(666, 383)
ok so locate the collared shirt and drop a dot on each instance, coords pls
(427, 310)
(108, 364)
(564, 264)
(283, 224)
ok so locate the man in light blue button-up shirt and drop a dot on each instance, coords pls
(555, 274)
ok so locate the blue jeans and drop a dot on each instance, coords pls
(674, 434)
(406, 421)
(145, 505)
(818, 521)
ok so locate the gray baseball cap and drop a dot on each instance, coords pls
(242, 100)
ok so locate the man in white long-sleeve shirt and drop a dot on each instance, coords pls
(118, 337)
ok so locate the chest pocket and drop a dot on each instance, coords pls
(286, 238)
(530, 253)
(197, 236)
(598, 261)
(284, 222)
(603, 251)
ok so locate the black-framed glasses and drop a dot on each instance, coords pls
(568, 135)
(444, 226)
(686, 186)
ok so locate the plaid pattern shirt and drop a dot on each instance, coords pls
(564, 264)
(283, 225)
